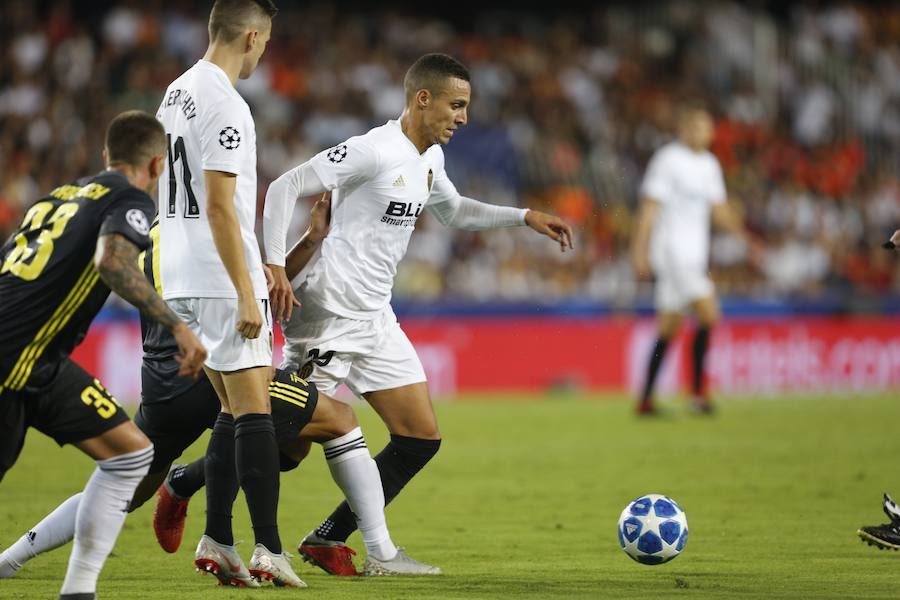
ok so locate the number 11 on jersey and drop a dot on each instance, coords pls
(178, 153)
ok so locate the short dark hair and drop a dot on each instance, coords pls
(430, 71)
(228, 18)
(133, 137)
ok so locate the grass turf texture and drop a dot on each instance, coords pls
(522, 502)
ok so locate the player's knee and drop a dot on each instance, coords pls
(331, 419)
(344, 418)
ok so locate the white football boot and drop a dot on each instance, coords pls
(224, 562)
(401, 564)
(268, 566)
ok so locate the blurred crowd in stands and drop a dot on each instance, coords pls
(567, 108)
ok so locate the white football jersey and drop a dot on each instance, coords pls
(380, 185)
(686, 184)
(209, 128)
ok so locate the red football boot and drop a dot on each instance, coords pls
(335, 558)
(168, 518)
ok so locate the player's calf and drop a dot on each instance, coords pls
(101, 513)
(397, 463)
(53, 531)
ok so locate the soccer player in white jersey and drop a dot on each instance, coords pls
(212, 275)
(683, 189)
(346, 331)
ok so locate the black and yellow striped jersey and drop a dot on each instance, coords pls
(50, 290)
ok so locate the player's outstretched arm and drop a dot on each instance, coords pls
(303, 250)
(226, 233)
(455, 210)
(117, 263)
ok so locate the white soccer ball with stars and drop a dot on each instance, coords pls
(653, 529)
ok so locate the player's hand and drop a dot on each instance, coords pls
(191, 352)
(250, 321)
(319, 219)
(551, 226)
(896, 238)
(281, 294)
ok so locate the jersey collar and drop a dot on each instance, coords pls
(213, 67)
(409, 144)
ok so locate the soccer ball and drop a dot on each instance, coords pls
(653, 529)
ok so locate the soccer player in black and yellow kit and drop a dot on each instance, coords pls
(175, 411)
(74, 245)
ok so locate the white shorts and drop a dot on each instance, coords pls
(213, 320)
(677, 288)
(368, 356)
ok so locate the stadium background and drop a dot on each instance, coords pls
(567, 108)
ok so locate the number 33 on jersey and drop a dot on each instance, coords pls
(51, 257)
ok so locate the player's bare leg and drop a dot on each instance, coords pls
(124, 439)
(708, 315)
(406, 411)
(668, 324)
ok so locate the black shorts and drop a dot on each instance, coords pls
(293, 403)
(73, 407)
(175, 424)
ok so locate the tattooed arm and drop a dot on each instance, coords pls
(116, 262)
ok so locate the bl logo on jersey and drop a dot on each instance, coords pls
(403, 209)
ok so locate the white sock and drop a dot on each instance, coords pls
(100, 516)
(53, 531)
(353, 469)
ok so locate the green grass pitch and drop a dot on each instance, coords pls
(523, 499)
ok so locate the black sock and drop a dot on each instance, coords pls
(656, 359)
(221, 480)
(257, 468)
(398, 463)
(701, 342)
(187, 480)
